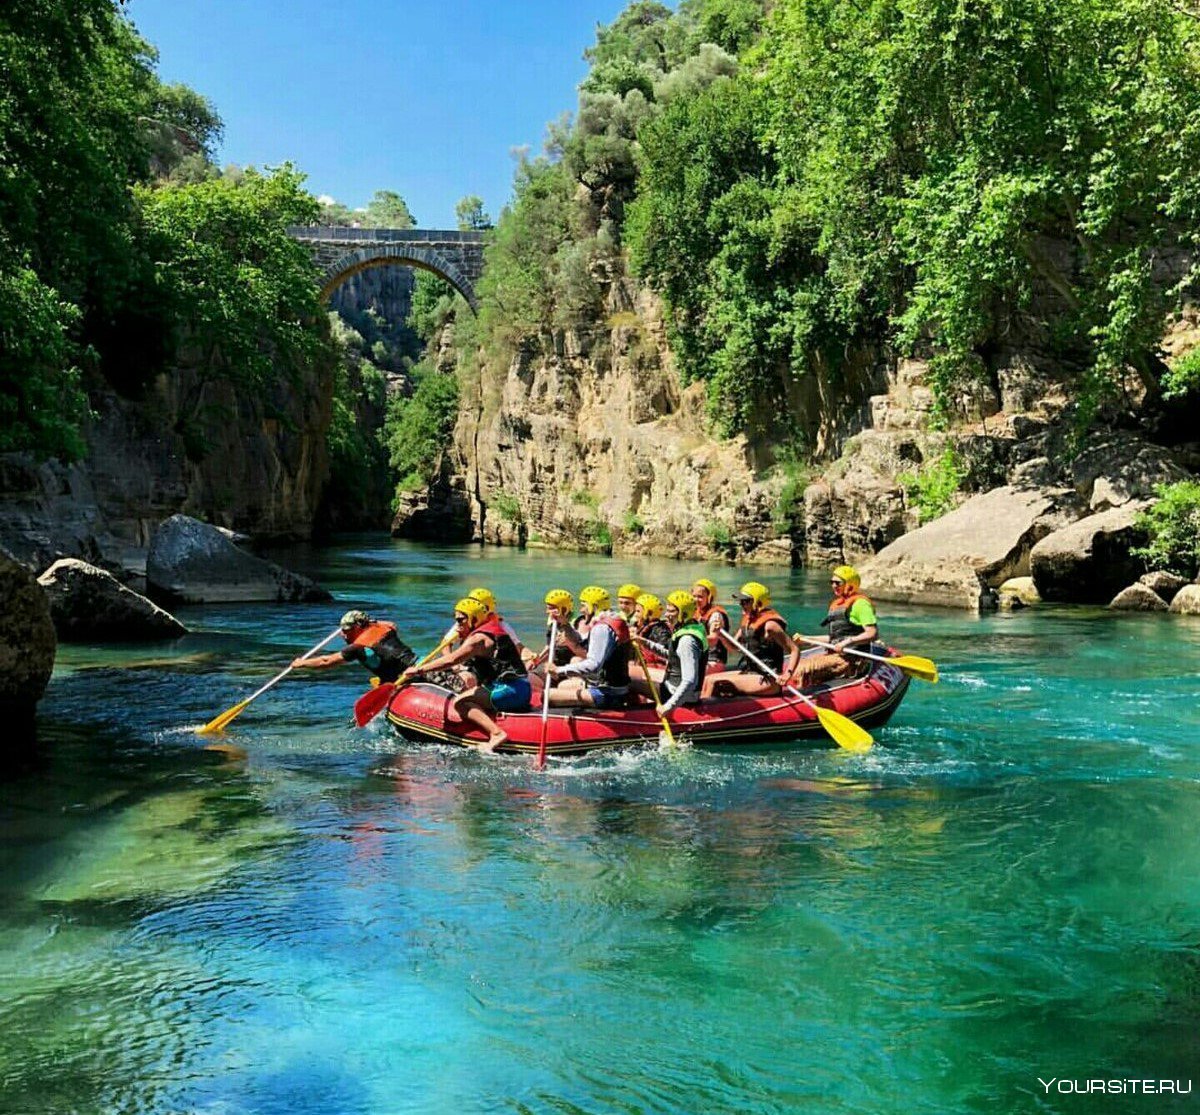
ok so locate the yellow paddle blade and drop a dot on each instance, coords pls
(217, 723)
(916, 667)
(846, 734)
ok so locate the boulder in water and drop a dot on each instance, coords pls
(90, 605)
(1089, 561)
(1138, 598)
(959, 559)
(1187, 601)
(1164, 583)
(27, 646)
(197, 564)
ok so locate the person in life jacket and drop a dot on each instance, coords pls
(714, 618)
(763, 632)
(627, 596)
(601, 678)
(687, 656)
(500, 681)
(652, 632)
(850, 624)
(374, 643)
(488, 600)
(568, 646)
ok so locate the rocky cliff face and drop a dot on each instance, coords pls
(254, 463)
(588, 440)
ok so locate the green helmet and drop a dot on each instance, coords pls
(355, 618)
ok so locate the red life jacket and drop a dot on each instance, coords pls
(503, 661)
(717, 647)
(615, 671)
(758, 644)
(837, 621)
(373, 634)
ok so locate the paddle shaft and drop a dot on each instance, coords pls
(844, 650)
(546, 681)
(284, 673)
(768, 671)
(653, 691)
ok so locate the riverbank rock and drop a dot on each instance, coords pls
(27, 646)
(1187, 601)
(1088, 562)
(1117, 468)
(958, 560)
(89, 605)
(1138, 598)
(1164, 583)
(196, 563)
(1020, 588)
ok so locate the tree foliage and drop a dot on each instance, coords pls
(238, 290)
(418, 427)
(1172, 525)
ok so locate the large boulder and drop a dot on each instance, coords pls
(1117, 468)
(1163, 583)
(195, 563)
(90, 605)
(1089, 561)
(1138, 598)
(27, 646)
(958, 560)
(1187, 601)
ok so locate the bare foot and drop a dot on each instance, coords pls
(493, 742)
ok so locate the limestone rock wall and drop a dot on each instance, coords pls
(590, 442)
(253, 462)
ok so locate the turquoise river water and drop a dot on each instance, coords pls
(1006, 888)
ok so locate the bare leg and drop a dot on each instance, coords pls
(566, 693)
(471, 707)
(739, 683)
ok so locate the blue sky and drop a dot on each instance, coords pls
(426, 98)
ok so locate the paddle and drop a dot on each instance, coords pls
(218, 723)
(546, 683)
(653, 692)
(912, 664)
(846, 734)
(374, 701)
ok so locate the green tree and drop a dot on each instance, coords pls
(470, 214)
(418, 428)
(387, 209)
(238, 290)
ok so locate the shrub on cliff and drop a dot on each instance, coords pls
(1173, 527)
(418, 428)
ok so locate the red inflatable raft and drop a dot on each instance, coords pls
(421, 711)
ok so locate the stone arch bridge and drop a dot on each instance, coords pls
(340, 253)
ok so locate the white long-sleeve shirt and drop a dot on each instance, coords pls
(602, 641)
(690, 653)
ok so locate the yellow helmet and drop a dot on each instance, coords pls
(597, 597)
(630, 590)
(484, 596)
(475, 612)
(560, 598)
(848, 574)
(650, 604)
(755, 593)
(707, 585)
(683, 602)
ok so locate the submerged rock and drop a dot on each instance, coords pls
(90, 605)
(27, 646)
(197, 563)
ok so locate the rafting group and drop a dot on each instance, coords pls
(674, 656)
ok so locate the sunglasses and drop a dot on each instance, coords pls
(835, 581)
(460, 619)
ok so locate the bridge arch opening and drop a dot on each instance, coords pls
(424, 259)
